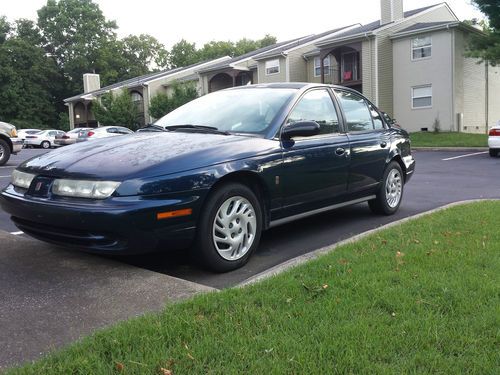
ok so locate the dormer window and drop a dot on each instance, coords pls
(421, 48)
(272, 67)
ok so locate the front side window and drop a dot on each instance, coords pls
(316, 106)
(421, 47)
(272, 67)
(421, 96)
(317, 66)
(356, 111)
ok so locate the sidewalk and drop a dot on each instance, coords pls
(50, 297)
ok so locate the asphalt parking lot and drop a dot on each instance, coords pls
(50, 296)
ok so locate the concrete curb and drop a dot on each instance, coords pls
(327, 249)
(451, 149)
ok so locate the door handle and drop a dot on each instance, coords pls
(340, 151)
(383, 144)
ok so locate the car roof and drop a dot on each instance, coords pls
(291, 85)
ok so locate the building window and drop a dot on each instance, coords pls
(350, 66)
(421, 48)
(272, 67)
(421, 96)
(317, 66)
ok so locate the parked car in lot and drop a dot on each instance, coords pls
(22, 133)
(494, 140)
(70, 137)
(44, 139)
(9, 142)
(103, 132)
(226, 167)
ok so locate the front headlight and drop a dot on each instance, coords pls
(84, 189)
(13, 133)
(22, 179)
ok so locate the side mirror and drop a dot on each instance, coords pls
(300, 129)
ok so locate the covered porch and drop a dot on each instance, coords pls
(342, 65)
(231, 77)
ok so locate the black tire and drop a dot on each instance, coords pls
(45, 145)
(380, 205)
(493, 152)
(4, 152)
(204, 250)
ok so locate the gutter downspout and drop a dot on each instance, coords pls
(487, 94)
(453, 89)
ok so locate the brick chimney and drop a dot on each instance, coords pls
(91, 82)
(391, 11)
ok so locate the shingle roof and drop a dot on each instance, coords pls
(228, 63)
(297, 43)
(425, 25)
(372, 26)
(133, 81)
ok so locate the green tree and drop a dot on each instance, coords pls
(161, 103)
(144, 52)
(486, 46)
(183, 53)
(27, 80)
(5, 28)
(116, 110)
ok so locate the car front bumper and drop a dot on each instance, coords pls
(118, 225)
(17, 145)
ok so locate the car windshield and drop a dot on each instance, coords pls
(249, 110)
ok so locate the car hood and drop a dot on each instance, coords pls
(145, 155)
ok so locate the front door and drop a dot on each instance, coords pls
(369, 140)
(315, 168)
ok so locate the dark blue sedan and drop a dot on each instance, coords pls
(226, 167)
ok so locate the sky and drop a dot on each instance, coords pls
(201, 21)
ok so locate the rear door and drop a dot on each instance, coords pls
(369, 141)
(315, 169)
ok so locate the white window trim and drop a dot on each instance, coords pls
(413, 48)
(273, 66)
(419, 97)
(327, 72)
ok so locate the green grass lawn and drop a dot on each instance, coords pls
(419, 298)
(447, 139)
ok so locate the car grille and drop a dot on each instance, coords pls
(72, 237)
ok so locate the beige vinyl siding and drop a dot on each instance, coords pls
(435, 71)
(368, 68)
(474, 96)
(385, 58)
(279, 77)
(298, 65)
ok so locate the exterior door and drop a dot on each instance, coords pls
(369, 140)
(315, 169)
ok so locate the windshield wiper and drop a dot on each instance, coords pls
(197, 128)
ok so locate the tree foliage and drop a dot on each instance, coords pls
(486, 46)
(161, 104)
(116, 109)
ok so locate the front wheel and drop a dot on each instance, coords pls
(391, 191)
(229, 228)
(493, 152)
(4, 152)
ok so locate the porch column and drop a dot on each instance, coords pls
(71, 114)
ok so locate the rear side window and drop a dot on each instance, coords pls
(111, 130)
(356, 111)
(316, 105)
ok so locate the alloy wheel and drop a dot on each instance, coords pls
(393, 188)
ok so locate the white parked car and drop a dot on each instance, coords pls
(494, 140)
(70, 137)
(44, 139)
(103, 132)
(22, 133)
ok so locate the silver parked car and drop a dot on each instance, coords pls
(71, 136)
(45, 139)
(103, 132)
(22, 133)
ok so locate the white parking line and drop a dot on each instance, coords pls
(8, 166)
(4, 176)
(16, 233)
(465, 156)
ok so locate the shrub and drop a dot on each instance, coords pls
(161, 104)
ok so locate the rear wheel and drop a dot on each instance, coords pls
(493, 152)
(391, 191)
(4, 152)
(45, 144)
(229, 228)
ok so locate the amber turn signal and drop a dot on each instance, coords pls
(171, 214)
